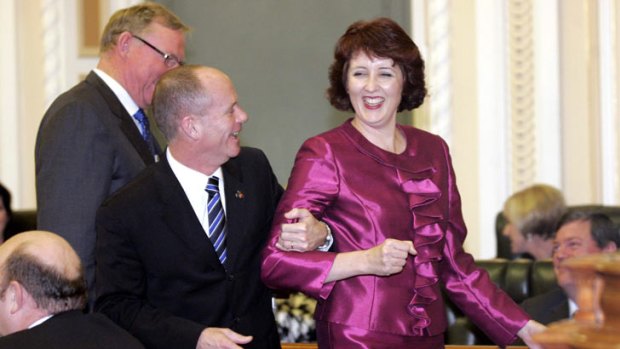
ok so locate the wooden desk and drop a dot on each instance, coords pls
(313, 346)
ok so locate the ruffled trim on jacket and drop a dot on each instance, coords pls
(422, 194)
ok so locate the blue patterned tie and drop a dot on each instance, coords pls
(217, 219)
(145, 130)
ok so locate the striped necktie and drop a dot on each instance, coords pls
(145, 130)
(217, 218)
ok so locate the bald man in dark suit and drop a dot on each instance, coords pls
(42, 295)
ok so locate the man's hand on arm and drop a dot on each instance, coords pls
(221, 338)
(305, 234)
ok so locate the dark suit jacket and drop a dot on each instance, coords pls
(547, 307)
(72, 330)
(87, 147)
(158, 274)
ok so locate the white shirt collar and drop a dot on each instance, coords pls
(120, 92)
(572, 308)
(123, 96)
(40, 321)
(194, 184)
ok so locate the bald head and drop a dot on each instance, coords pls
(40, 275)
(210, 76)
(45, 248)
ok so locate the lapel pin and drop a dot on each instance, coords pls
(239, 194)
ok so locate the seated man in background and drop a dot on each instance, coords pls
(42, 294)
(579, 234)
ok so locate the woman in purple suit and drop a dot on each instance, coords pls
(389, 194)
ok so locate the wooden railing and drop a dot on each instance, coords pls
(314, 346)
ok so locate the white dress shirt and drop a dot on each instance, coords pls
(194, 184)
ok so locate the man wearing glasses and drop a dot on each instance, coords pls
(95, 137)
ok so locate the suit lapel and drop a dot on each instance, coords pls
(127, 125)
(179, 215)
(236, 206)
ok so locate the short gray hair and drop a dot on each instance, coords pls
(179, 92)
(135, 19)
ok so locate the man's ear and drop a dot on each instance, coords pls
(190, 127)
(15, 294)
(122, 42)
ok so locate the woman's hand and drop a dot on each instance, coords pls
(389, 257)
(385, 259)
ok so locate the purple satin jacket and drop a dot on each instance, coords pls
(367, 195)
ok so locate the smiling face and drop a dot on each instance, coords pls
(375, 87)
(573, 239)
(146, 65)
(223, 119)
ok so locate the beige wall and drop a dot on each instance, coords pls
(31, 94)
(529, 101)
(42, 61)
(465, 117)
(579, 107)
(19, 115)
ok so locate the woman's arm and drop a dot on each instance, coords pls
(384, 259)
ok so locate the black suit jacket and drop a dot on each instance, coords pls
(158, 274)
(72, 330)
(547, 307)
(87, 147)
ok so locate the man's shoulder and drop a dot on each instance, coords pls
(547, 307)
(84, 92)
(143, 186)
(72, 329)
(549, 298)
(249, 156)
(87, 98)
(251, 153)
(251, 166)
(93, 327)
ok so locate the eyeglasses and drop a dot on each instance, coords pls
(170, 60)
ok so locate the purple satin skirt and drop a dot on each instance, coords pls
(335, 336)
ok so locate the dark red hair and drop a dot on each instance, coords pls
(383, 38)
